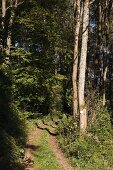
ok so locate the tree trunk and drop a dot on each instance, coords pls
(11, 21)
(3, 11)
(82, 106)
(75, 62)
(3, 20)
(104, 85)
(106, 58)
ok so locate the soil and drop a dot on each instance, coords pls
(30, 147)
(59, 154)
(33, 145)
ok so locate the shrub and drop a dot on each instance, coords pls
(10, 152)
(12, 126)
(55, 88)
(94, 150)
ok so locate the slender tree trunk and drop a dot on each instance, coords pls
(106, 33)
(75, 62)
(3, 21)
(3, 11)
(11, 21)
(100, 42)
(82, 106)
(104, 85)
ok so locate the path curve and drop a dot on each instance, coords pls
(32, 145)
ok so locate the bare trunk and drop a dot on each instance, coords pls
(11, 21)
(104, 86)
(105, 74)
(3, 20)
(100, 45)
(3, 11)
(75, 62)
(82, 106)
(106, 63)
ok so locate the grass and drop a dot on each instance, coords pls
(44, 158)
(94, 150)
(30, 125)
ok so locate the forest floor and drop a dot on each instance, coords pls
(42, 151)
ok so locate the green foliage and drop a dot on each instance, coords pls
(69, 97)
(11, 153)
(55, 87)
(39, 41)
(94, 150)
(28, 83)
(12, 125)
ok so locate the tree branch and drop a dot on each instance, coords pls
(91, 2)
(15, 5)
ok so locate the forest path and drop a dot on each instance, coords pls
(34, 146)
(31, 146)
(64, 162)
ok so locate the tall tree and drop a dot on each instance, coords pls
(3, 20)
(13, 6)
(82, 68)
(75, 62)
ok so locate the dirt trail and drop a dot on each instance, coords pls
(64, 162)
(32, 145)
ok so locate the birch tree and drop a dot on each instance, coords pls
(13, 6)
(82, 67)
(3, 20)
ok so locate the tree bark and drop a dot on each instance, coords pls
(3, 20)
(75, 62)
(3, 11)
(106, 16)
(11, 21)
(82, 106)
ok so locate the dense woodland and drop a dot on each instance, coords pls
(57, 64)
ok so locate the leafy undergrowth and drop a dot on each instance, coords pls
(30, 126)
(93, 150)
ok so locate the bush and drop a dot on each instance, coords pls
(94, 150)
(55, 88)
(12, 126)
(11, 153)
